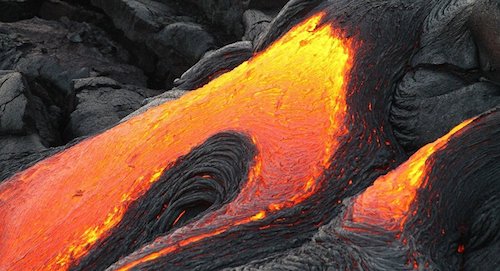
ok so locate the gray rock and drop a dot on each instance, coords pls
(446, 39)
(56, 9)
(101, 103)
(484, 24)
(13, 104)
(428, 103)
(22, 113)
(14, 10)
(256, 23)
(156, 101)
(15, 151)
(224, 13)
(47, 50)
(136, 18)
(189, 40)
(27, 126)
(173, 39)
(213, 64)
(179, 46)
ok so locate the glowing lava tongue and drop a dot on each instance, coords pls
(387, 202)
(290, 99)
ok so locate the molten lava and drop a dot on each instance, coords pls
(290, 99)
(387, 202)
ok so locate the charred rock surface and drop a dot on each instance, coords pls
(453, 74)
(101, 103)
(27, 126)
(174, 40)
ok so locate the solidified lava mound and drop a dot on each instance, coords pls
(335, 135)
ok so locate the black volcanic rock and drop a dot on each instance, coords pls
(56, 9)
(136, 18)
(102, 102)
(213, 64)
(179, 46)
(22, 113)
(225, 13)
(454, 73)
(58, 52)
(13, 103)
(429, 103)
(27, 126)
(159, 31)
(256, 23)
(484, 24)
(14, 10)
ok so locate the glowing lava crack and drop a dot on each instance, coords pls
(290, 100)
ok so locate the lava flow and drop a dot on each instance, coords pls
(386, 204)
(290, 100)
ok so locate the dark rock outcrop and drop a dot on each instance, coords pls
(56, 9)
(27, 126)
(167, 41)
(256, 23)
(213, 64)
(429, 103)
(102, 102)
(59, 52)
(22, 113)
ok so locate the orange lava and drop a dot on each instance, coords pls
(387, 202)
(290, 99)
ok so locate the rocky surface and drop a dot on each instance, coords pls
(69, 69)
(102, 102)
(27, 127)
(72, 68)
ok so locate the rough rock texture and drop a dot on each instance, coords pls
(102, 102)
(225, 13)
(156, 101)
(22, 113)
(56, 9)
(137, 19)
(256, 23)
(454, 73)
(27, 127)
(179, 46)
(213, 64)
(484, 24)
(59, 52)
(428, 103)
(175, 41)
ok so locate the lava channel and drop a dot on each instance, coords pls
(291, 105)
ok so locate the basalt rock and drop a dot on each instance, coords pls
(56, 9)
(454, 73)
(256, 23)
(213, 64)
(27, 126)
(101, 103)
(58, 52)
(23, 113)
(174, 40)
